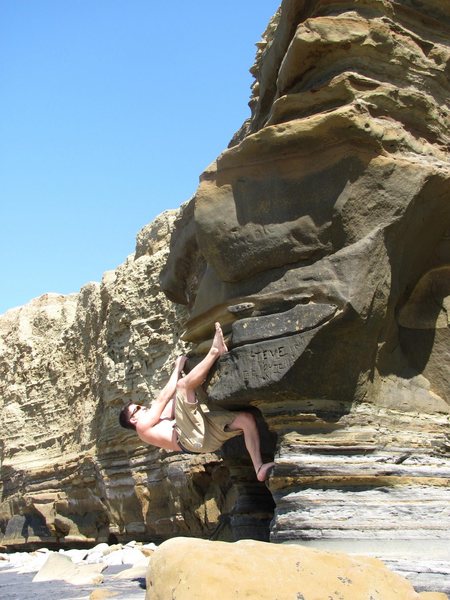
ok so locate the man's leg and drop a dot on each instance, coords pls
(199, 373)
(246, 422)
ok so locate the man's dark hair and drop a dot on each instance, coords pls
(124, 418)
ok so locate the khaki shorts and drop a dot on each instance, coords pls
(200, 430)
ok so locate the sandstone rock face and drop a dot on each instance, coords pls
(69, 473)
(185, 569)
(321, 240)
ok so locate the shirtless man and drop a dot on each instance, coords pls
(176, 422)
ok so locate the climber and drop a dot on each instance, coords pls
(175, 420)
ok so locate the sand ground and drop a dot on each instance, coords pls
(19, 586)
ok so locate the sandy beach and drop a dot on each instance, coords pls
(122, 580)
(20, 586)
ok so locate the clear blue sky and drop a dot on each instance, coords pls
(109, 112)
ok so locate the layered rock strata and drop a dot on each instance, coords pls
(69, 474)
(321, 240)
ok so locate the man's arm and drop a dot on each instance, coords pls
(167, 393)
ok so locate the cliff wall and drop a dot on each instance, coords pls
(69, 474)
(321, 242)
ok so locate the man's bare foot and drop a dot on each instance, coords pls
(264, 471)
(218, 341)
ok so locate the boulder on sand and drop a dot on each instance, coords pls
(60, 567)
(194, 569)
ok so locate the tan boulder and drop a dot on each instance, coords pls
(60, 567)
(193, 569)
(135, 572)
(102, 594)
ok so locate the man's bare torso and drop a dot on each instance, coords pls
(162, 434)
